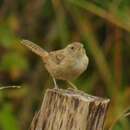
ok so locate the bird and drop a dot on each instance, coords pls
(64, 64)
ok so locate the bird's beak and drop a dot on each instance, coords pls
(81, 47)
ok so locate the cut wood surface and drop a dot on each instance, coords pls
(70, 110)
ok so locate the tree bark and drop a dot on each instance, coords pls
(70, 110)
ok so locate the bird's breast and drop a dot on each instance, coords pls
(69, 69)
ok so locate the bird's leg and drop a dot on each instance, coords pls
(55, 84)
(71, 84)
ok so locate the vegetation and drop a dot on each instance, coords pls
(103, 26)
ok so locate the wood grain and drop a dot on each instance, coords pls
(70, 110)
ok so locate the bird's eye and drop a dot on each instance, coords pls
(72, 47)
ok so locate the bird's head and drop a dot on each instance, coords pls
(76, 48)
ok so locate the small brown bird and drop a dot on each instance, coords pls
(64, 64)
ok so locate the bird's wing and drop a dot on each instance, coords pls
(57, 56)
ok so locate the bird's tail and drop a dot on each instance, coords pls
(34, 48)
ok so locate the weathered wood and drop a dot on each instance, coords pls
(70, 110)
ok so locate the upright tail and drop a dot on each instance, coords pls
(34, 48)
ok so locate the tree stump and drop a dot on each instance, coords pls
(70, 110)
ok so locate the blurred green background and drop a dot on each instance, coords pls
(102, 26)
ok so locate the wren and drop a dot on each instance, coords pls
(64, 64)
